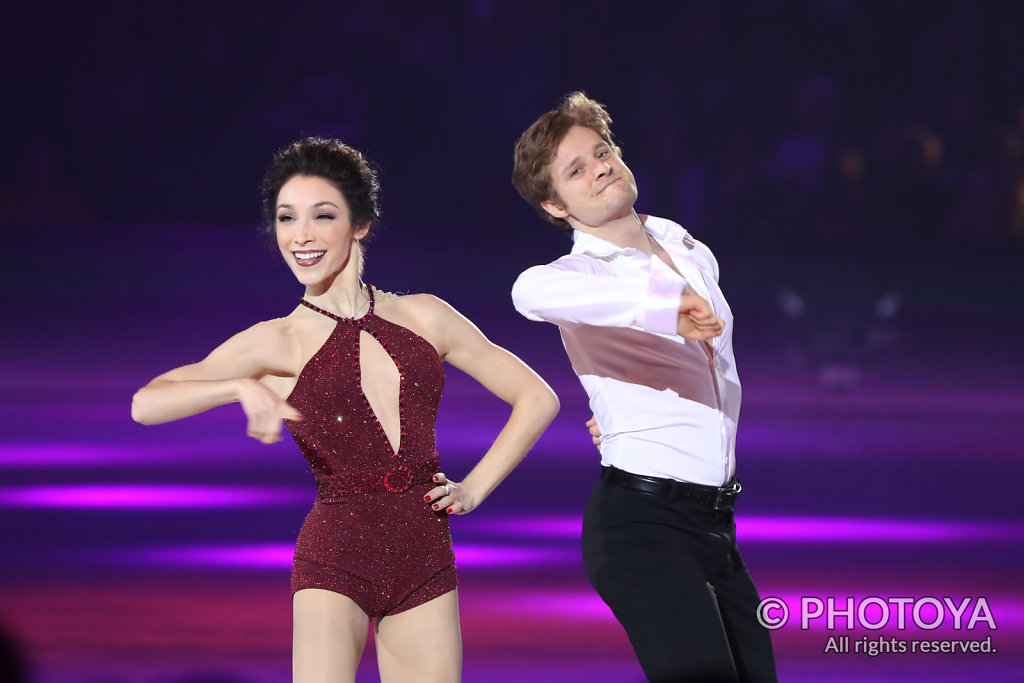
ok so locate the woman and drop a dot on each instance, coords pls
(356, 375)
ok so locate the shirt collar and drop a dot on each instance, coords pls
(659, 228)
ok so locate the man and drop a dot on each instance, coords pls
(649, 333)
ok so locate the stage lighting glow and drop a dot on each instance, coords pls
(52, 455)
(280, 556)
(868, 530)
(773, 529)
(149, 496)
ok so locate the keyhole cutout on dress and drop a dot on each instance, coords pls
(381, 384)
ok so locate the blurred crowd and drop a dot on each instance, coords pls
(763, 120)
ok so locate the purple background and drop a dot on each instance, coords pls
(858, 169)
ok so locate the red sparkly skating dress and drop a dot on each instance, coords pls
(370, 535)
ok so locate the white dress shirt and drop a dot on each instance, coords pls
(664, 408)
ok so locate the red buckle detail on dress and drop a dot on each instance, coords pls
(398, 479)
(404, 477)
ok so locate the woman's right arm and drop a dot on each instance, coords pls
(230, 374)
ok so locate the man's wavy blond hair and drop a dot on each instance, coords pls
(537, 146)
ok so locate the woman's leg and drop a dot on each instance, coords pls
(422, 644)
(328, 636)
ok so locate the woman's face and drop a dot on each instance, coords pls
(314, 230)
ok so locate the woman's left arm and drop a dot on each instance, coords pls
(534, 404)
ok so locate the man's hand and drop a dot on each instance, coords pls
(595, 431)
(697, 320)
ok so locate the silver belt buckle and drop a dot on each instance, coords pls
(731, 490)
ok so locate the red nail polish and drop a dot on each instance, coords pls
(426, 498)
(449, 511)
(435, 477)
(436, 506)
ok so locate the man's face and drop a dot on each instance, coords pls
(592, 184)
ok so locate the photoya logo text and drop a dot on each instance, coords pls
(873, 613)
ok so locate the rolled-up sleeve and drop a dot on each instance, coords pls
(576, 291)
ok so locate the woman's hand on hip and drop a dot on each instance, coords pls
(450, 496)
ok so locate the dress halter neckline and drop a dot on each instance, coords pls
(369, 311)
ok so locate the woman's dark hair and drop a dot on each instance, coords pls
(344, 167)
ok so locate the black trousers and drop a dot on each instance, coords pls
(672, 575)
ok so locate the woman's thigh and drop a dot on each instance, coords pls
(421, 644)
(328, 636)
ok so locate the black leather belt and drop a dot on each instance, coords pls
(718, 497)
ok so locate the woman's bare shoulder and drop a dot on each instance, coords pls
(275, 343)
(273, 331)
(425, 314)
(424, 307)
